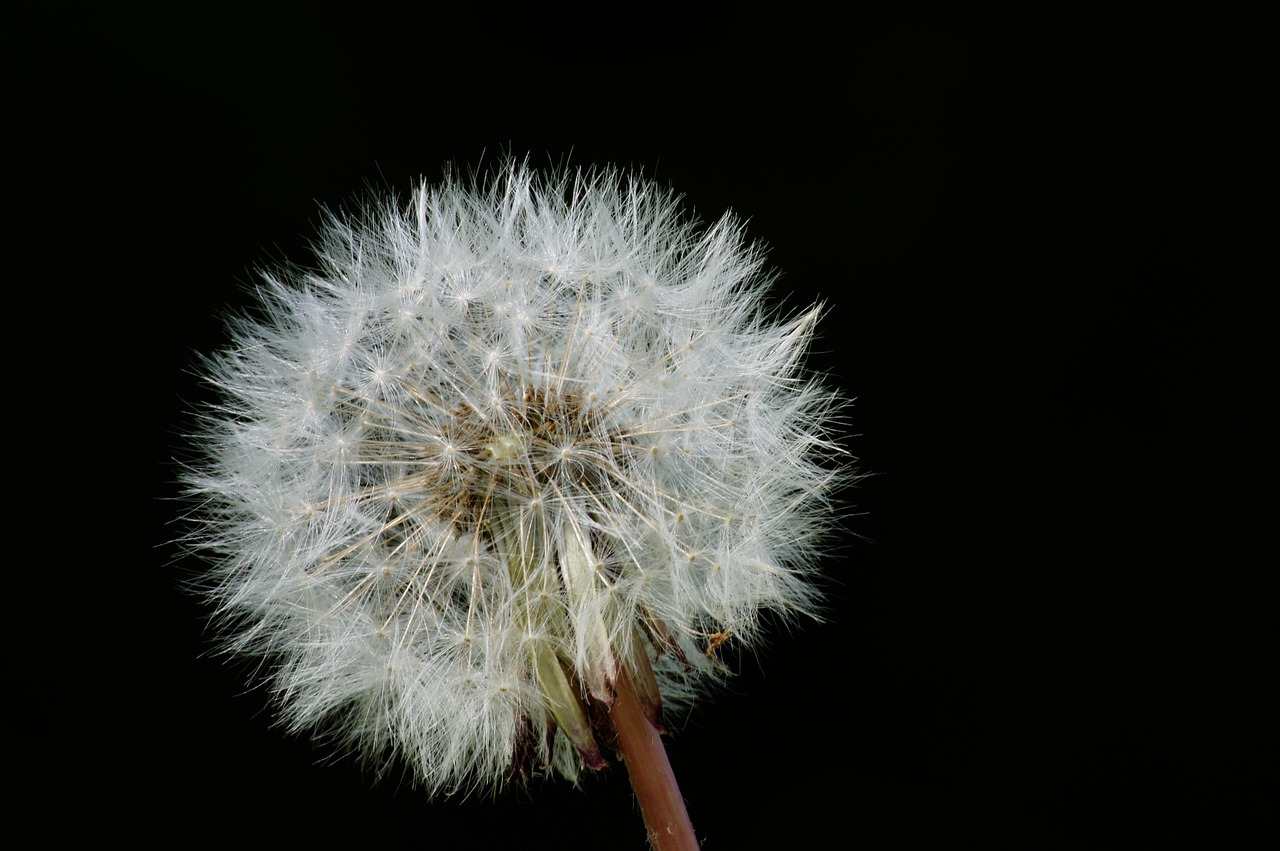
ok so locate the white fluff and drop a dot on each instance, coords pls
(546, 414)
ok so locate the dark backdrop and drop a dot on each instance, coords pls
(979, 203)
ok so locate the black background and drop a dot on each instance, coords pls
(1009, 658)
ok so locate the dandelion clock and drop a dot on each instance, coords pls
(491, 484)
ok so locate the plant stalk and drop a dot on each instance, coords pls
(652, 779)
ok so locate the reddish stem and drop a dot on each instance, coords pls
(651, 776)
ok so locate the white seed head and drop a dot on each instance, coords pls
(497, 444)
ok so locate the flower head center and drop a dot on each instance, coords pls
(506, 447)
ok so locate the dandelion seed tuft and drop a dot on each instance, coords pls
(498, 446)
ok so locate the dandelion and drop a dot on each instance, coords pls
(492, 485)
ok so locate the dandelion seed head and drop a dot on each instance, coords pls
(496, 444)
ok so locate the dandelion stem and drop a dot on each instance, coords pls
(651, 776)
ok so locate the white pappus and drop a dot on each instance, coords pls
(497, 443)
